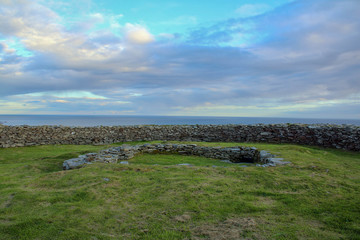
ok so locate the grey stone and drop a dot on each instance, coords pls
(226, 161)
(265, 154)
(265, 133)
(345, 137)
(74, 163)
(228, 155)
(276, 161)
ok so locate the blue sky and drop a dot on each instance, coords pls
(281, 58)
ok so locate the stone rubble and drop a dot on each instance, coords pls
(126, 152)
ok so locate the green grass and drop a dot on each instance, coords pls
(316, 197)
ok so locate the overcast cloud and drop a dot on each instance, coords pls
(301, 59)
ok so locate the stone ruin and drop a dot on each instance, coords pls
(228, 154)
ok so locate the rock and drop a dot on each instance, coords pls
(265, 133)
(124, 162)
(277, 161)
(265, 154)
(226, 161)
(74, 163)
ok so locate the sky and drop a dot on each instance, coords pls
(243, 58)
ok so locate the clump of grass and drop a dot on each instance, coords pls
(316, 197)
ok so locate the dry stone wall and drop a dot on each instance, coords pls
(332, 136)
(125, 152)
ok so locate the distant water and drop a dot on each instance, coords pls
(88, 121)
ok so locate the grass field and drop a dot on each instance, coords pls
(316, 197)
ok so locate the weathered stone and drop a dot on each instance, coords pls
(226, 161)
(74, 163)
(125, 152)
(265, 154)
(345, 137)
(265, 133)
(277, 161)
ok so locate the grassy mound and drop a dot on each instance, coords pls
(316, 197)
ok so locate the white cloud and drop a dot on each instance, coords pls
(97, 17)
(38, 28)
(67, 94)
(270, 109)
(249, 10)
(137, 34)
(18, 107)
(114, 21)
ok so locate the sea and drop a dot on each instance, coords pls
(112, 120)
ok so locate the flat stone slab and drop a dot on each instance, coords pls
(279, 161)
(272, 162)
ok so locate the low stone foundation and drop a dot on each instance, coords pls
(125, 152)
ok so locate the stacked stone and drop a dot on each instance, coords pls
(126, 152)
(345, 137)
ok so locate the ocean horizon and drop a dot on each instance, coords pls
(113, 120)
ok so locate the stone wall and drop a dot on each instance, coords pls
(125, 152)
(332, 136)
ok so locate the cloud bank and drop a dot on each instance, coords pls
(300, 60)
